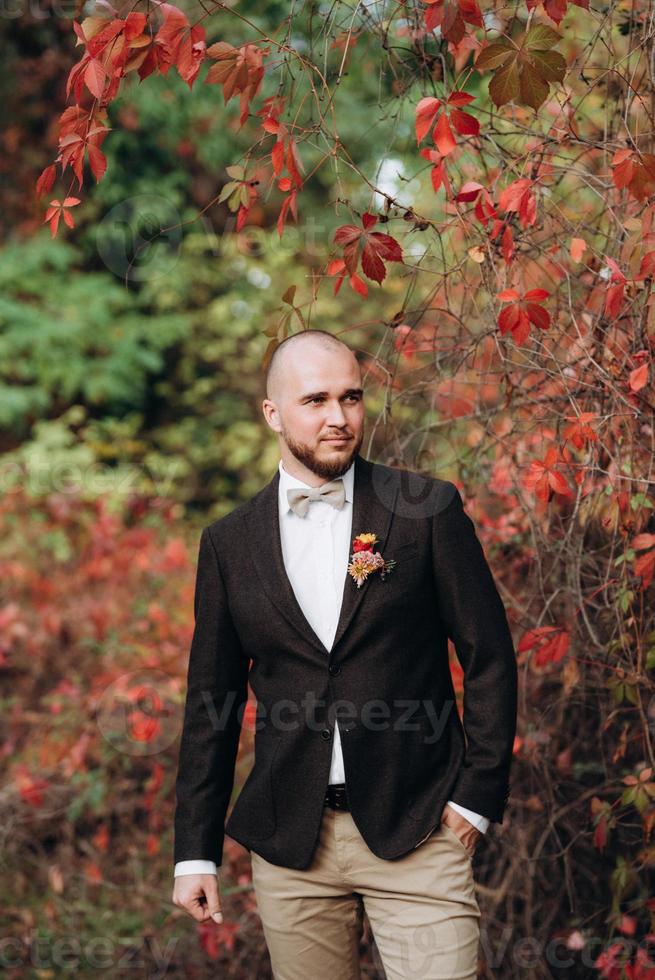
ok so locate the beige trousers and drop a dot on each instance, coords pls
(421, 907)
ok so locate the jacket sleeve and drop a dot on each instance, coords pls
(474, 618)
(216, 696)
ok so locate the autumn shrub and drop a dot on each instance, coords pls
(492, 267)
(95, 626)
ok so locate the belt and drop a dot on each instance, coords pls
(336, 797)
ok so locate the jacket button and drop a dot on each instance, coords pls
(334, 669)
(326, 733)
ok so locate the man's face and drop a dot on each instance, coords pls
(322, 399)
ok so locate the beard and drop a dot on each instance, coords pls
(328, 469)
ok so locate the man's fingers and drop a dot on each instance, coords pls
(213, 903)
(198, 895)
(196, 908)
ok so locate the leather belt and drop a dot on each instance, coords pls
(336, 797)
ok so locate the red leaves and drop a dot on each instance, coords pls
(579, 431)
(239, 70)
(551, 644)
(425, 115)
(451, 16)
(185, 45)
(289, 204)
(556, 9)
(507, 245)
(484, 206)
(285, 150)
(644, 565)
(578, 248)
(519, 196)
(634, 171)
(522, 311)
(443, 135)
(46, 180)
(74, 144)
(113, 48)
(616, 291)
(95, 78)
(638, 378)
(445, 113)
(337, 267)
(377, 248)
(647, 267)
(545, 479)
(438, 173)
(613, 964)
(599, 810)
(56, 210)
(31, 788)
(215, 938)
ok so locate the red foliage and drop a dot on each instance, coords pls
(452, 16)
(376, 248)
(545, 479)
(522, 311)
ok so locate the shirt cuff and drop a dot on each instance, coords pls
(482, 823)
(195, 868)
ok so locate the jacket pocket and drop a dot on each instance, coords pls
(427, 758)
(253, 814)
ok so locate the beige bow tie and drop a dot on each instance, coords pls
(333, 492)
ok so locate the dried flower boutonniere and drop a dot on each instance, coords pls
(365, 561)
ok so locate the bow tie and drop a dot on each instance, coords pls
(333, 492)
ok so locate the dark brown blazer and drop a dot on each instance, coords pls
(387, 677)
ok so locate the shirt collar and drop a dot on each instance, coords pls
(287, 481)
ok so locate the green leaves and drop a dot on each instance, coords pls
(237, 192)
(524, 71)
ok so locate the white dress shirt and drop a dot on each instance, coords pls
(317, 576)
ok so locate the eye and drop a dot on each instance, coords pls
(319, 399)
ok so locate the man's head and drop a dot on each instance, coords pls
(314, 392)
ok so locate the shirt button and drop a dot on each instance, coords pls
(326, 733)
(334, 669)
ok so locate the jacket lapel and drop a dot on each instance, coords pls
(373, 509)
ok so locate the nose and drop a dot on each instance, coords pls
(336, 417)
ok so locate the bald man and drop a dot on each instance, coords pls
(344, 813)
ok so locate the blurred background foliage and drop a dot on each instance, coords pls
(156, 348)
(130, 415)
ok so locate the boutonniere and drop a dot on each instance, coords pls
(365, 560)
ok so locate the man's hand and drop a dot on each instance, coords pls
(467, 833)
(198, 894)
